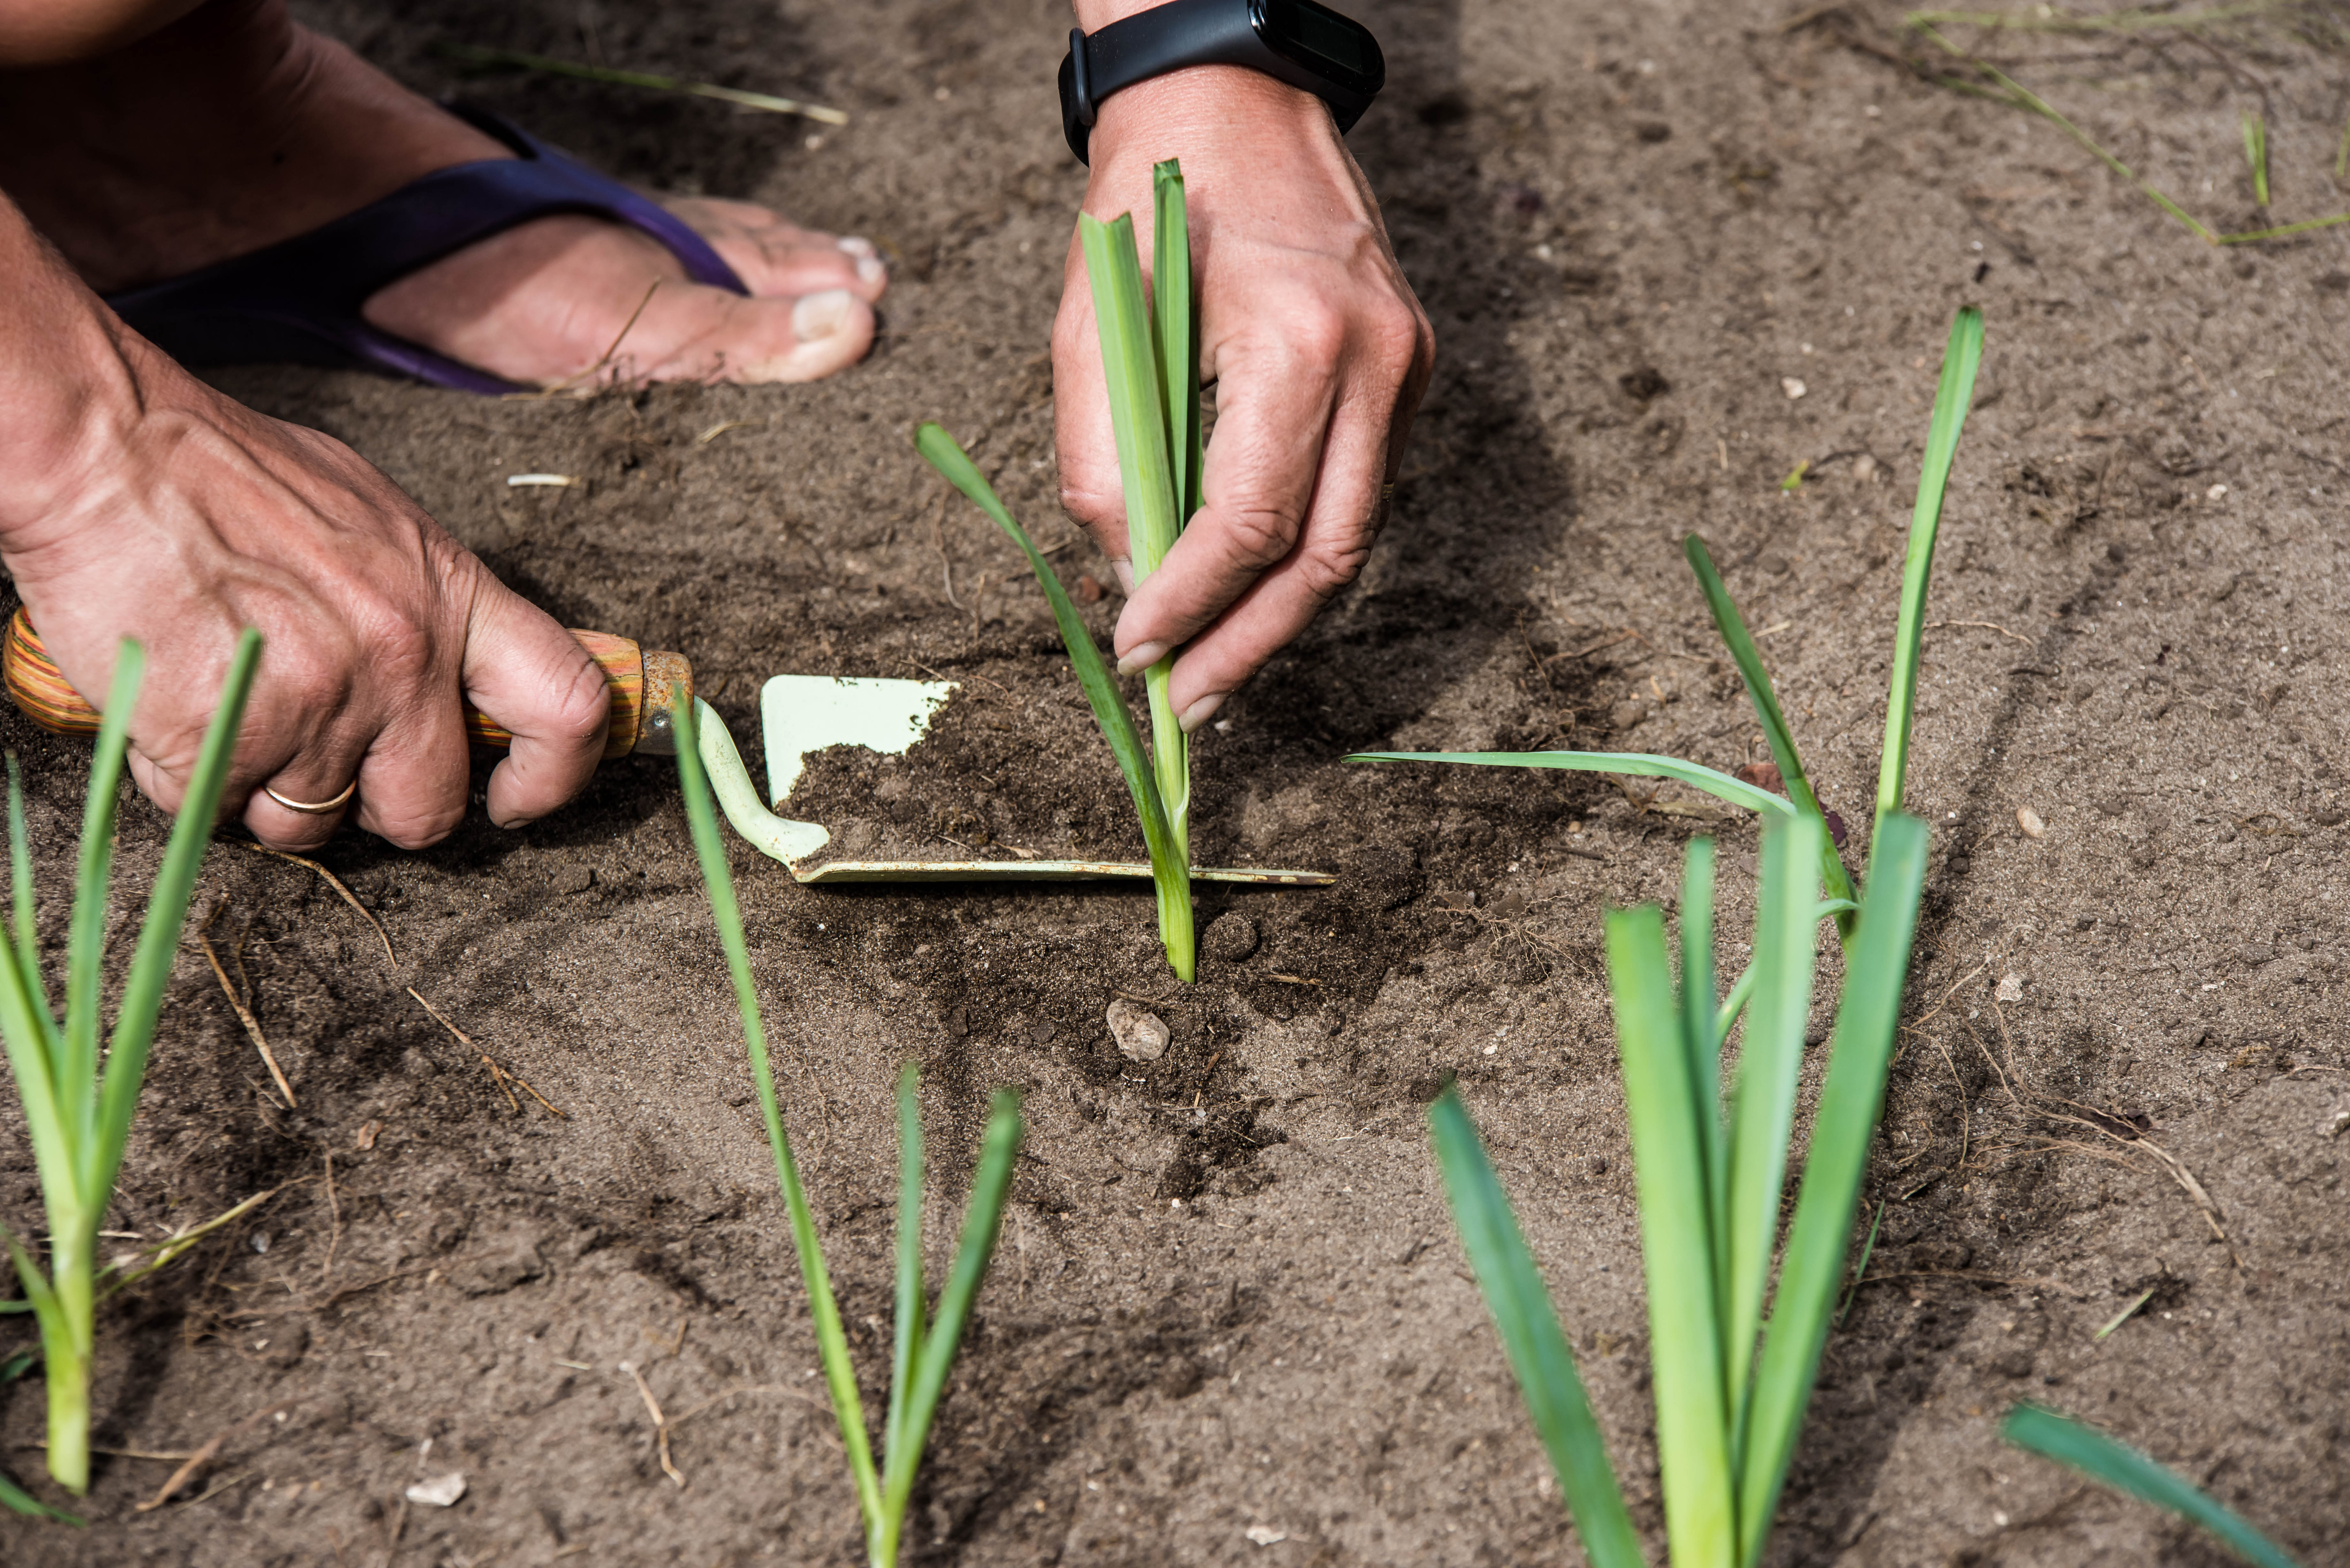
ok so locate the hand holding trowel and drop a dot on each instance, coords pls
(800, 713)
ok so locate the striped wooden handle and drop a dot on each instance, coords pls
(647, 688)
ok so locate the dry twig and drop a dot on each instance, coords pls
(347, 895)
(245, 1014)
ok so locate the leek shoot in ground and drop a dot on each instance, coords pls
(1734, 1359)
(923, 1350)
(78, 1107)
(1151, 365)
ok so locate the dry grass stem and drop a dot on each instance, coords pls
(499, 1074)
(661, 1422)
(347, 897)
(243, 1014)
(197, 1461)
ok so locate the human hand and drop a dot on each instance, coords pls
(138, 501)
(1318, 350)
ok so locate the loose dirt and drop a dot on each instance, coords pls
(1228, 1303)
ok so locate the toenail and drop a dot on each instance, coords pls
(820, 315)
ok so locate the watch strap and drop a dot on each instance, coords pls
(1172, 37)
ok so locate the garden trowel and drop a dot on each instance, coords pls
(800, 713)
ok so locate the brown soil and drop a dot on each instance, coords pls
(1629, 225)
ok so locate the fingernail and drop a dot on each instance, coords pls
(818, 317)
(870, 270)
(1124, 572)
(857, 244)
(1200, 712)
(1143, 657)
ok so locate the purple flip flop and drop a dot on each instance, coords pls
(298, 301)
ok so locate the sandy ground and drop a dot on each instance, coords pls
(1633, 228)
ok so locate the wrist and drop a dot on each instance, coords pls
(1197, 113)
(72, 402)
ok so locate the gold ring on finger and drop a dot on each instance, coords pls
(316, 808)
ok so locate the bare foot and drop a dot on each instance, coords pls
(233, 128)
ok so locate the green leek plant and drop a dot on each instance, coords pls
(1734, 1356)
(77, 1109)
(924, 1343)
(1734, 1360)
(1150, 361)
(2085, 1449)
(1952, 399)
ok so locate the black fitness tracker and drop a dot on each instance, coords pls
(1307, 46)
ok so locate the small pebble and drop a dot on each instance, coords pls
(440, 1492)
(1864, 469)
(1792, 386)
(2011, 988)
(1142, 1034)
(2341, 1124)
(2029, 821)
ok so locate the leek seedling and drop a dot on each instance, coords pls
(1150, 359)
(2085, 1449)
(1732, 1382)
(1952, 399)
(78, 1111)
(925, 1348)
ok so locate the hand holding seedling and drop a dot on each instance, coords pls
(142, 502)
(1317, 347)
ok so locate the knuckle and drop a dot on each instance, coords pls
(1260, 536)
(1325, 570)
(578, 708)
(1396, 338)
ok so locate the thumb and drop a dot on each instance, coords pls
(529, 675)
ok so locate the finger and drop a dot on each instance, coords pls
(1091, 491)
(1275, 404)
(530, 676)
(1282, 602)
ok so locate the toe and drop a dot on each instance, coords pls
(775, 257)
(708, 335)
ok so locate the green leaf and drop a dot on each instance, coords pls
(76, 1079)
(1765, 701)
(1770, 1061)
(1175, 316)
(1169, 869)
(1952, 401)
(18, 1499)
(159, 934)
(1138, 417)
(982, 1219)
(1703, 1043)
(910, 1301)
(1812, 1268)
(28, 928)
(1635, 764)
(2050, 1435)
(1531, 1337)
(1685, 1337)
(832, 1343)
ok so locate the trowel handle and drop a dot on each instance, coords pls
(647, 687)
